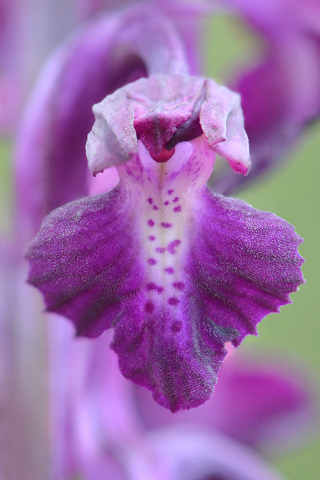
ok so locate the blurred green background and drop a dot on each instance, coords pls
(292, 192)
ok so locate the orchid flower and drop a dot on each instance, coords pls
(175, 269)
(280, 94)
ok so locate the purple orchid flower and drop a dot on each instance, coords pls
(98, 59)
(280, 95)
(176, 270)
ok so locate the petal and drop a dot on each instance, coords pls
(101, 57)
(227, 118)
(93, 419)
(162, 111)
(264, 403)
(178, 275)
(280, 95)
(191, 453)
(113, 139)
(151, 109)
(243, 262)
(98, 236)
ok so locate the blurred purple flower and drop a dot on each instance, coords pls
(100, 57)
(281, 94)
(115, 428)
(176, 270)
(261, 403)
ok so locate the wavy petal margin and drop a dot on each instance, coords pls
(231, 267)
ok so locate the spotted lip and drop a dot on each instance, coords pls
(176, 270)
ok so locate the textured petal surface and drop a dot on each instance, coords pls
(175, 270)
(162, 111)
(94, 236)
(176, 288)
(244, 260)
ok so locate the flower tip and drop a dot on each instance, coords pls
(94, 174)
(163, 156)
(241, 167)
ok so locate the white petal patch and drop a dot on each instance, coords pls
(165, 194)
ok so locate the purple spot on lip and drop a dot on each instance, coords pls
(155, 207)
(160, 250)
(169, 270)
(152, 286)
(152, 261)
(177, 209)
(176, 326)
(150, 222)
(173, 301)
(149, 307)
(175, 199)
(172, 245)
(170, 192)
(166, 225)
(150, 200)
(152, 238)
(178, 285)
(166, 203)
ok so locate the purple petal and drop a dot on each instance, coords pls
(231, 265)
(279, 98)
(263, 403)
(243, 262)
(90, 389)
(101, 57)
(99, 234)
(162, 111)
